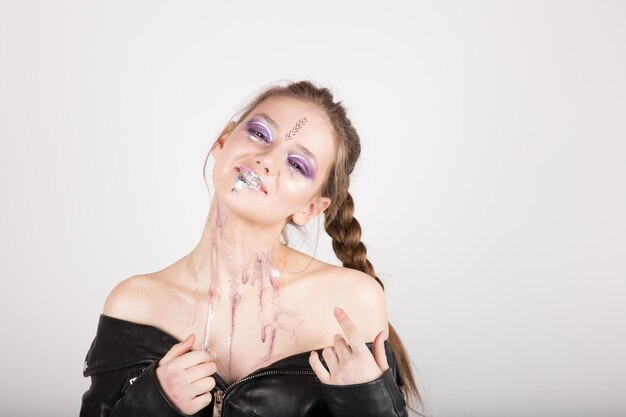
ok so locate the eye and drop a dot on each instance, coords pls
(300, 165)
(259, 132)
(256, 135)
(296, 167)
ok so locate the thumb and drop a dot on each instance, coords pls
(379, 351)
(178, 349)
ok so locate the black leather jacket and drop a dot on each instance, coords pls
(122, 362)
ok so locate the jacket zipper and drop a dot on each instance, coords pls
(220, 395)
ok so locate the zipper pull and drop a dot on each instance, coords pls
(218, 394)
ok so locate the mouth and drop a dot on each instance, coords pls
(249, 179)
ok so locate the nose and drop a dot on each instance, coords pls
(265, 163)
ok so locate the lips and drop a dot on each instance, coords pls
(253, 177)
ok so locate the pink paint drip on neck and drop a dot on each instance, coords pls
(235, 298)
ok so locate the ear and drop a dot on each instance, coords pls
(221, 140)
(312, 209)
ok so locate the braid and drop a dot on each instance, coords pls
(345, 231)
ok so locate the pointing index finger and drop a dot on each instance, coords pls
(350, 330)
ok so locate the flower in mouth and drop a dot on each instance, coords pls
(249, 179)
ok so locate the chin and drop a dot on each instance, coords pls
(247, 204)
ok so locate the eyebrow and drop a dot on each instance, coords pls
(275, 126)
(268, 119)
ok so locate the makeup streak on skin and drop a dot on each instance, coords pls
(257, 268)
(274, 276)
(217, 222)
(213, 299)
(269, 278)
(263, 265)
(290, 135)
(219, 218)
(235, 298)
(269, 333)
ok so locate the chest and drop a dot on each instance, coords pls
(245, 330)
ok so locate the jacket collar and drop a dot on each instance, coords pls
(120, 343)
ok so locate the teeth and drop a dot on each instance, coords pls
(254, 176)
(251, 180)
(245, 179)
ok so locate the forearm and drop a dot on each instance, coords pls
(143, 398)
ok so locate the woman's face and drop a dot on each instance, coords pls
(289, 144)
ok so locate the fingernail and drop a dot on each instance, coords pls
(337, 311)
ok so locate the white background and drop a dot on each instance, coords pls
(491, 191)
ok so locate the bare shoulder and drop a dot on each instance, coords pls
(360, 296)
(133, 298)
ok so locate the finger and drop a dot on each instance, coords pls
(342, 349)
(379, 351)
(350, 330)
(203, 385)
(318, 368)
(202, 401)
(201, 370)
(178, 349)
(331, 359)
(193, 358)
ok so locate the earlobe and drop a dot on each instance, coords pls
(221, 140)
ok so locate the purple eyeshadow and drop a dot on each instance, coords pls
(260, 127)
(309, 172)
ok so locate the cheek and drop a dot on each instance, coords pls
(293, 193)
(296, 196)
(223, 175)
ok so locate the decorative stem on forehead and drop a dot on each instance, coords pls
(295, 129)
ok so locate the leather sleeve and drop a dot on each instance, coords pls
(112, 394)
(377, 398)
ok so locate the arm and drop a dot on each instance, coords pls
(361, 382)
(112, 394)
(123, 359)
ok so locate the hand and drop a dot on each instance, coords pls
(352, 364)
(185, 376)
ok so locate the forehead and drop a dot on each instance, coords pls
(286, 112)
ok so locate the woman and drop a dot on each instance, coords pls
(244, 325)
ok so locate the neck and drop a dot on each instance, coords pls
(233, 249)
